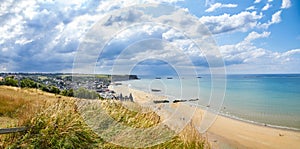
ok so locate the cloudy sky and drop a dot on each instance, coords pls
(252, 36)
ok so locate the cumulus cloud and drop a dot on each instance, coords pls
(244, 51)
(215, 6)
(226, 22)
(276, 18)
(43, 35)
(250, 8)
(254, 35)
(172, 28)
(266, 7)
(286, 4)
(247, 54)
(257, 1)
(37, 33)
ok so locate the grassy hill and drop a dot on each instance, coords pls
(55, 121)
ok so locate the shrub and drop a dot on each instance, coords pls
(27, 83)
(11, 81)
(69, 93)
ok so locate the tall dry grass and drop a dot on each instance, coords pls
(188, 138)
(51, 121)
(129, 117)
(54, 122)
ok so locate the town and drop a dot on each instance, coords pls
(67, 84)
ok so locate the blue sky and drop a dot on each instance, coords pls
(253, 36)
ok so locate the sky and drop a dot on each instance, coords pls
(249, 36)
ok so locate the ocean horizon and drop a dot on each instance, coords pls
(265, 99)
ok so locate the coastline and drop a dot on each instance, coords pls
(228, 132)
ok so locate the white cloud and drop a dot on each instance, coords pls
(266, 7)
(226, 22)
(251, 8)
(208, 2)
(276, 18)
(215, 6)
(254, 35)
(244, 51)
(270, 1)
(35, 28)
(286, 4)
(30, 30)
(245, 55)
(291, 52)
(257, 1)
(23, 41)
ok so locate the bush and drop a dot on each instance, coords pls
(69, 93)
(44, 88)
(54, 90)
(27, 83)
(11, 81)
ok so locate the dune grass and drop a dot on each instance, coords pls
(129, 117)
(54, 122)
(9, 105)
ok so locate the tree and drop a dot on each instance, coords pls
(54, 89)
(11, 81)
(27, 83)
(44, 88)
(69, 92)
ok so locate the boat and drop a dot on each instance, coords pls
(169, 78)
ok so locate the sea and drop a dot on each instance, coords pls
(264, 99)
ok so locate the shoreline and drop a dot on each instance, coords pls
(233, 117)
(222, 113)
(228, 132)
(259, 123)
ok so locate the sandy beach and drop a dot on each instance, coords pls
(225, 132)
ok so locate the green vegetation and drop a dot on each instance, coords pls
(86, 94)
(50, 89)
(69, 93)
(10, 81)
(54, 122)
(28, 83)
(103, 76)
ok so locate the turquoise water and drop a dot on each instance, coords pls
(264, 99)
